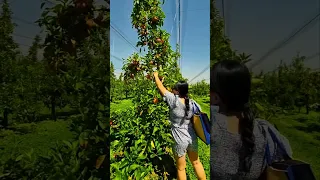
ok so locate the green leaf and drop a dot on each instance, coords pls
(81, 141)
(4, 175)
(19, 157)
(259, 107)
(153, 155)
(155, 129)
(115, 142)
(67, 143)
(102, 125)
(133, 167)
(79, 86)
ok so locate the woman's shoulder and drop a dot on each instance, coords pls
(262, 122)
(264, 126)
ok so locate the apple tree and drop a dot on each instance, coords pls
(140, 136)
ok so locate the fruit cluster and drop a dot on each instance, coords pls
(147, 19)
(134, 67)
(77, 21)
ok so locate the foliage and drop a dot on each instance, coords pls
(201, 88)
(220, 47)
(288, 88)
(7, 65)
(113, 83)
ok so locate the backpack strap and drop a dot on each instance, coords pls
(195, 107)
(267, 155)
(279, 144)
(267, 130)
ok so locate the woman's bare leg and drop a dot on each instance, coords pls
(197, 166)
(181, 167)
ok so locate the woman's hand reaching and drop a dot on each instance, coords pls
(155, 74)
(159, 83)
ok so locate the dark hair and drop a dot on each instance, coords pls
(183, 88)
(231, 80)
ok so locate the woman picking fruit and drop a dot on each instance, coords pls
(185, 139)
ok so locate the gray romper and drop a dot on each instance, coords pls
(181, 125)
(224, 149)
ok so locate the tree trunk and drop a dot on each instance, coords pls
(34, 119)
(5, 121)
(307, 105)
(53, 108)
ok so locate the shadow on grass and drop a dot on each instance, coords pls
(311, 127)
(302, 119)
(29, 125)
(317, 137)
(60, 115)
(167, 164)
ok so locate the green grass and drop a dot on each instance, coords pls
(204, 150)
(39, 136)
(303, 132)
(120, 105)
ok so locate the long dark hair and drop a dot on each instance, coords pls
(231, 81)
(183, 88)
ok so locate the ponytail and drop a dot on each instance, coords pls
(187, 100)
(248, 140)
(182, 87)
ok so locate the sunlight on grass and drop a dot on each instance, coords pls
(304, 142)
(39, 136)
(120, 105)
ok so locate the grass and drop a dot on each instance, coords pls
(303, 132)
(120, 105)
(38, 136)
(204, 150)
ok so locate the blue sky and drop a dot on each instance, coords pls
(256, 26)
(24, 15)
(195, 45)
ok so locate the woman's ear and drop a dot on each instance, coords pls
(214, 98)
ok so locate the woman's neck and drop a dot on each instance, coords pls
(224, 111)
(233, 119)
